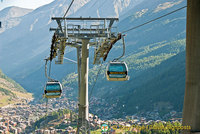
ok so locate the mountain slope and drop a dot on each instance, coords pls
(11, 92)
(146, 48)
(11, 17)
(31, 45)
(158, 89)
(28, 49)
(106, 8)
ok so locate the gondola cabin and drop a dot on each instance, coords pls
(53, 89)
(117, 71)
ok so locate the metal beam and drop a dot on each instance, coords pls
(87, 35)
(79, 70)
(80, 18)
(81, 29)
(111, 23)
(59, 25)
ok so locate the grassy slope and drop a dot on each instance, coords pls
(10, 91)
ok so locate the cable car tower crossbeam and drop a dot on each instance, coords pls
(95, 32)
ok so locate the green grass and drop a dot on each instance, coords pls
(7, 92)
(16, 85)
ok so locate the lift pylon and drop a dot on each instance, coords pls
(191, 107)
(83, 33)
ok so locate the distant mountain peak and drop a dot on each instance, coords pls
(14, 11)
(11, 16)
(106, 8)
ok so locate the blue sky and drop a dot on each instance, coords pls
(32, 4)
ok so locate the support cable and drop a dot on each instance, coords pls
(50, 69)
(65, 14)
(124, 49)
(128, 30)
(153, 20)
(73, 61)
(48, 76)
(92, 89)
(68, 9)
